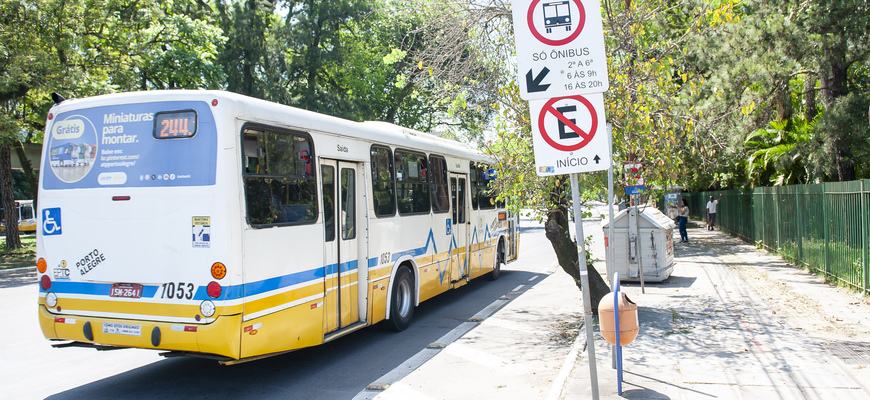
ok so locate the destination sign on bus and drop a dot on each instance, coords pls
(175, 124)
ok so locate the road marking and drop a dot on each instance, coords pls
(517, 289)
(533, 278)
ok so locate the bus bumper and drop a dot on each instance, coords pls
(221, 337)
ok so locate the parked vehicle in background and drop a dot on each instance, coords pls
(26, 217)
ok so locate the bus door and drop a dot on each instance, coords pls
(341, 245)
(458, 262)
(513, 236)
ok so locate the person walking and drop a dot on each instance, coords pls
(711, 212)
(683, 219)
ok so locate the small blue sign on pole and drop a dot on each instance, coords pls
(630, 190)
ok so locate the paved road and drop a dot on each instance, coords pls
(32, 369)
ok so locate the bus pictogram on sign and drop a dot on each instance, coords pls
(556, 23)
(560, 48)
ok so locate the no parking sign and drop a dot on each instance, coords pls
(569, 134)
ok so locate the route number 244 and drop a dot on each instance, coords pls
(177, 290)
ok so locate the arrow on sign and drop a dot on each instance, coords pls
(597, 159)
(534, 84)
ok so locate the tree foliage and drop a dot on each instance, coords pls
(791, 63)
(705, 93)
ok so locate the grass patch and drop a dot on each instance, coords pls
(18, 258)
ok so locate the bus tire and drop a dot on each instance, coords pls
(402, 301)
(499, 262)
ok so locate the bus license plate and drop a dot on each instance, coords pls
(122, 329)
(128, 290)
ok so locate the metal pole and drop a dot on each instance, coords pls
(616, 315)
(865, 256)
(584, 284)
(639, 251)
(610, 260)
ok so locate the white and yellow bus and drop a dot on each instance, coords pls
(217, 225)
(26, 217)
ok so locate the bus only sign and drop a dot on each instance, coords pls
(560, 48)
(569, 134)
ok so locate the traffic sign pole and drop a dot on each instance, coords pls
(610, 223)
(562, 71)
(584, 284)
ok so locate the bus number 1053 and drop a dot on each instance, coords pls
(177, 290)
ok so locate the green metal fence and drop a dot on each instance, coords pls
(825, 227)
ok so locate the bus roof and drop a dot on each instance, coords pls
(266, 112)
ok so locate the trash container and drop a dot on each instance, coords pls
(628, 322)
(642, 240)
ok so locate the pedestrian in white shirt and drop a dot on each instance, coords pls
(711, 212)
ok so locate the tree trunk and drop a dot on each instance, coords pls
(13, 241)
(557, 231)
(810, 97)
(845, 165)
(27, 169)
(834, 80)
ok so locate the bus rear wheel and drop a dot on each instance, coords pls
(402, 301)
(499, 263)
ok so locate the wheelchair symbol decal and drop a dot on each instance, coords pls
(51, 222)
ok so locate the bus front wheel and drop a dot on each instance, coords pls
(402, 301)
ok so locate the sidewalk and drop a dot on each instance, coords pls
(733, 322)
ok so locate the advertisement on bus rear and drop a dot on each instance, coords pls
(162, 144)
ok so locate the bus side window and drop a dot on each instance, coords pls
(474, 179)
(485, 198)
(383, 184)
(280, 185)
(412, 185)
(438, 184)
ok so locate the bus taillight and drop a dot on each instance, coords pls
(41, 265)
(45, 282)
(213, 289)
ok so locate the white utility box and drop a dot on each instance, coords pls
(641, 238)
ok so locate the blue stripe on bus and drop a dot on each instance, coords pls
(95, 289)
(250, 289)
(420, 250)
(346, 267)
(227, 293)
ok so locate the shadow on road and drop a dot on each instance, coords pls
(17, 278)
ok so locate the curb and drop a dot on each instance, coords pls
(561, 380)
